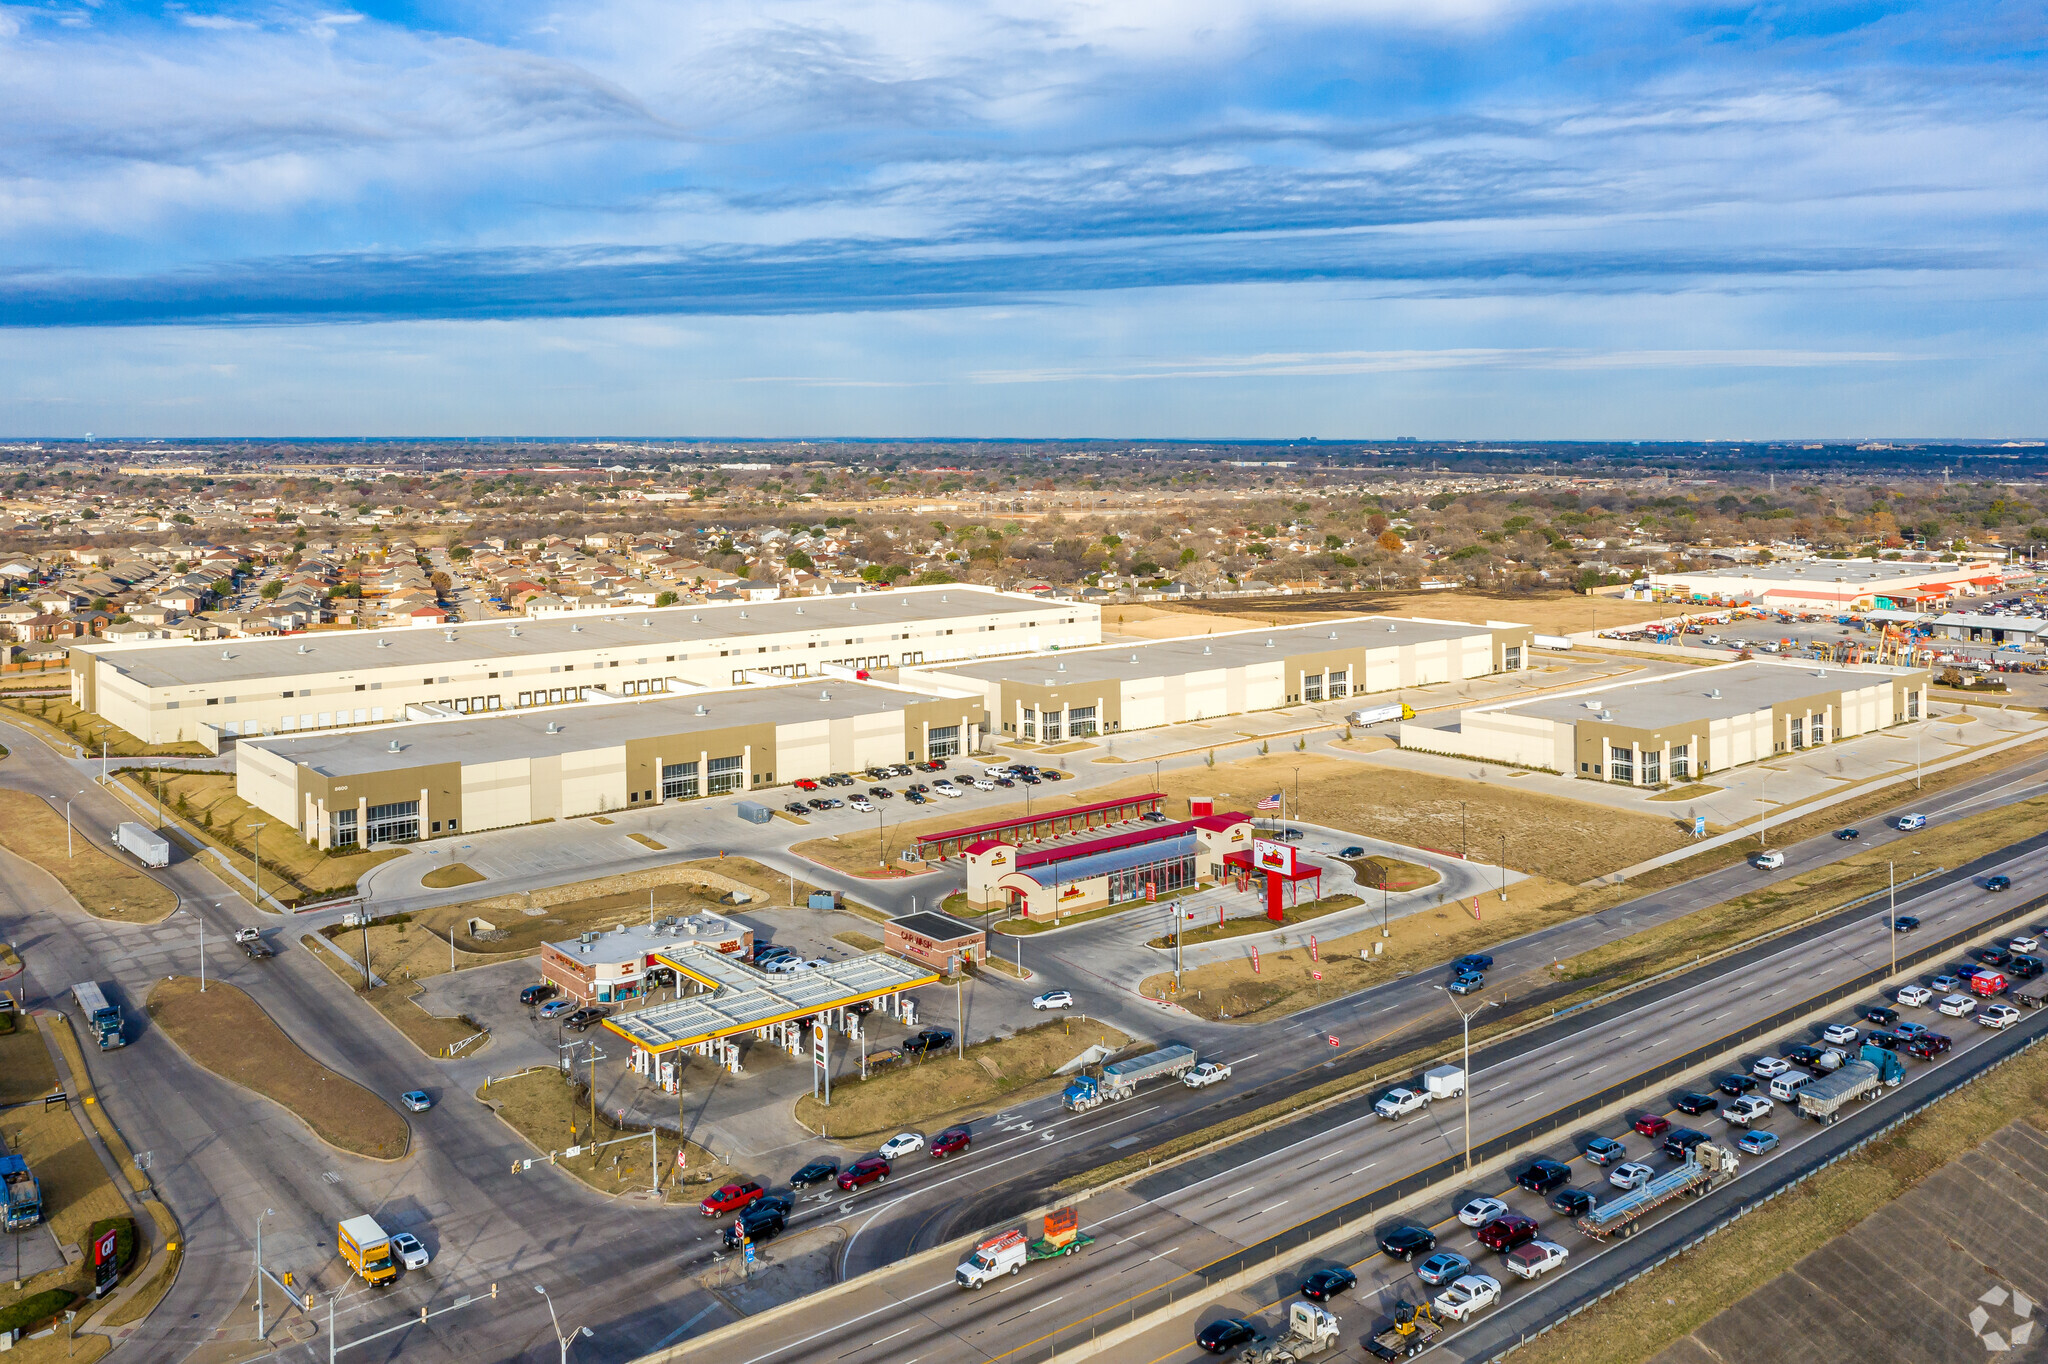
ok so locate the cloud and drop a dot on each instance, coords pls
(1336, 363)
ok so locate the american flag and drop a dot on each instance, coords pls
(1271, 802)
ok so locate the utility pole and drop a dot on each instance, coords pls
(256, 852)
(1503, 868)
(1466, 1019)
(261, 1331)
(960, 1017)
(67, 823)
(1464, 852)
(1892, 878)
(1179, 917)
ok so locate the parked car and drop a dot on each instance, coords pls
(863, 1172)
(804, 784)
(1480, 1211)
(931, 1039)
(1441, 1268)
(822, 1171)
(1756, 1141)
(950, 1142)
(1506, 1232)
(1633, 1175)
(901, 1145)
(584, 1017)
(1915, 996)
(862, 804)
(536, 994)
(1653, 1124)
(1220, 1337)
(556, 1006)
(1406, 1242)
(731, 1198)
(1353, 851)
(1054, 999)
(1325, 1284)
(416, 1100)
(797, 807)
(1605, 1151)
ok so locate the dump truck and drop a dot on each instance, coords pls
(1864, 1078)
(1009, 1252)
(149, 847)
(24, 1193)
(368, 1251)
(1121, 1079)
(1414, 1328)
(2033, 994)
(1311, 1330)
(102, 1018)
(1706, 1168)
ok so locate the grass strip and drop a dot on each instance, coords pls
(454, 874)
(103, 886)
(228, 1033)
(553, 1114)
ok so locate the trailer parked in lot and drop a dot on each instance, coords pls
(1121, 1079)
(1705, 1169)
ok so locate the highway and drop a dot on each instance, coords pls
(1159, 1234)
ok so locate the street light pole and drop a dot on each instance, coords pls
(561, 1340)
(256, 852)
(1892, 877)
(1503, 868)
(1763, 811)
(1466, 1020)
(261, 1330)
(67, 824)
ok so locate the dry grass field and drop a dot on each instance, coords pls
(103, 885)
(551, 1113)
(1550, 612)
(228, 1033)
(398, 999)
(64, 723)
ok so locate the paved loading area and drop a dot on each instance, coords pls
(1956, 1271)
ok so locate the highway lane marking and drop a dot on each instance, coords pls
(1164, 1253)
(1242, 1059)
(677, 1334)
(1526, 1097)
(1263, 1211)
(1584, 1073)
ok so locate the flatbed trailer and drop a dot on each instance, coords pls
(1705, 1168)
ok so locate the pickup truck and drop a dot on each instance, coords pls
(1206, 1073)
(1748, 1109)
(1536, 1257)
(1399, 1103)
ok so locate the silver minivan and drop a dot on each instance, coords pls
(1785, 1088)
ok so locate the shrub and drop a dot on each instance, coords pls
(36, 1309)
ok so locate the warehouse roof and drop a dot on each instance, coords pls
(1717, 693)
(1174, 657)
(632, 632)
(579, 728)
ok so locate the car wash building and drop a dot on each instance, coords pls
(1046, 884)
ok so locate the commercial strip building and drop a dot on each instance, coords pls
(1146, 863)
(388, 785)
(1832, 584)
(1079, 694)
(1976, 629)
(611, 968)
(164, 692)
(1681, 727)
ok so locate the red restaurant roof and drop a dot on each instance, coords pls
(1151, 833)
(1004, 825)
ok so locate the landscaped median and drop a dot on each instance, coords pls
(103, 885)
(553, 1114)
(61, 722)
(228, 1033)
(941, 1088)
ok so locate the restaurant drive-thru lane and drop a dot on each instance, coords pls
(1166, 1233)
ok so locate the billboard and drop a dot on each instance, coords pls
(1272, 855)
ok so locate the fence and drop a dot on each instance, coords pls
(1271, 1252)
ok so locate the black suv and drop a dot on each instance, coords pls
(1541, 1176)
(1679, 1141)
(762, 1221)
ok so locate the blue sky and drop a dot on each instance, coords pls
(1465, 218)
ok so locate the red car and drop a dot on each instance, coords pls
(951, 1140)
(804, 784)
(1506, 1232)
(1651, 1125)
(731, 1198)
(867, 1170)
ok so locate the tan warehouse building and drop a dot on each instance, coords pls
(212, 691)
(353, 788)
(1082, 693)
(1681, 727)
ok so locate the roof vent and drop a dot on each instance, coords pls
(1820, 672)
(1063, 665)
(743, 615)
(1134, 658)
(554, 728)
(574, 628)
(1607, 715)
(696, 619)
(1390, 627)
(702, 711)
(1333, 634)
(1206, 649)
(853, 606)
(383, 643)
(824, 696)
(395, 748)
(448, 635)
(1269, 641)
(1714, 695)
(226, 655)
(646, 621)
(799, 610)
(305, 648)
(942, 596)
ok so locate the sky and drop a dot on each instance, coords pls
(1030, 218)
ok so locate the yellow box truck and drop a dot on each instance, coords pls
(368, 1251)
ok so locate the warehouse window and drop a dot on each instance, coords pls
(1312, 686)
(942, 742)
(1340, 683)
(1030, 723)
(1049, 727)
(1621, 764)
(398, 822)
(1652, 767)
(678, 780)
(342, 833)
(1912, 705)
(1080, 722)
(725, 775)
(1681, 762)
(1819, 729)
(1511, 658)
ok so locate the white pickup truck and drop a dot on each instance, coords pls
(1532, 1258)
(1206, 1073)
(1399, 1103)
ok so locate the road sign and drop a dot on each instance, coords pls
(1314, 953)
(1255, 960)
(1699, 826)
(106, 1263)
(750, 1253)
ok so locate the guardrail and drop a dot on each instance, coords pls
(1275, 1249)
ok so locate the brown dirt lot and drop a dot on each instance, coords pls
(228, 1033)
(927, 1095)
(1285, 981)
(550, 1113)
(1550, 612)
(206, 810)
(1669, 1302)
(103, 885)
(1548, 836)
